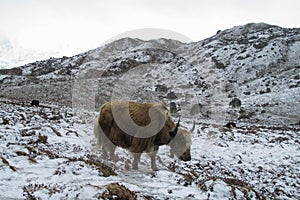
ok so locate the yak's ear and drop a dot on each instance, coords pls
(174, 133)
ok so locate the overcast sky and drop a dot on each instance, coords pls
(73, 26)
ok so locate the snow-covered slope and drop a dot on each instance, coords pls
(248, 75)
(47, 152)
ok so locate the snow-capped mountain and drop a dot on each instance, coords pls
(248, 75)
(12, 54)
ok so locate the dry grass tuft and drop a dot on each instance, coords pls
(234, 184)
(117, 191)
(56, 131)
(5, 162)
(104, 169)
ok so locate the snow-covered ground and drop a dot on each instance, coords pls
(47, 152)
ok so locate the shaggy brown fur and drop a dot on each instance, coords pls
(113, 128)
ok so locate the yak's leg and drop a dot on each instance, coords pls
(136, 160)
(112, 152)
(171, 153)
(152, 153)
(105, 151)
(153, 160)
(104, 154)
(108, 148)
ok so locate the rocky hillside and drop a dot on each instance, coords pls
(247, 73)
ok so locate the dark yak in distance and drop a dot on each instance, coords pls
(129, 125)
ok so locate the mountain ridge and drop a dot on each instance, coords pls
(256, 63)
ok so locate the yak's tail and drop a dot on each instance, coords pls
(97, 132)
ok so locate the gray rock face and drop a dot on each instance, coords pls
(255, 63)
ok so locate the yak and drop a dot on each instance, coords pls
(139, 127)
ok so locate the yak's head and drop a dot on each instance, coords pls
(168, 132)
(181, 144)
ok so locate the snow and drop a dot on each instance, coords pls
(265, 159)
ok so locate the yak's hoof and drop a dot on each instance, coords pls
(114, 158)
(135, 167)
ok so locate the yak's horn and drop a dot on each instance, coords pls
(193, 128)
(177, 126)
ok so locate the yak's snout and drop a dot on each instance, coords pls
(186, 156)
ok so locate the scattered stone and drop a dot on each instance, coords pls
(35, 103)
(230, 125)
(161, 88)
(260, 44)
(197, 108)
(5, 121)
(171, 95)
(245, 114)
(235, 103)
(218, 64)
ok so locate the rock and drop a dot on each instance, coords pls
(268, 90)
(235, 103)
(230, 125)
(245, 114)
(260, 44)
(161, 88)
(196, 109)
(218, 64)
(35, 103)
(171, 95)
